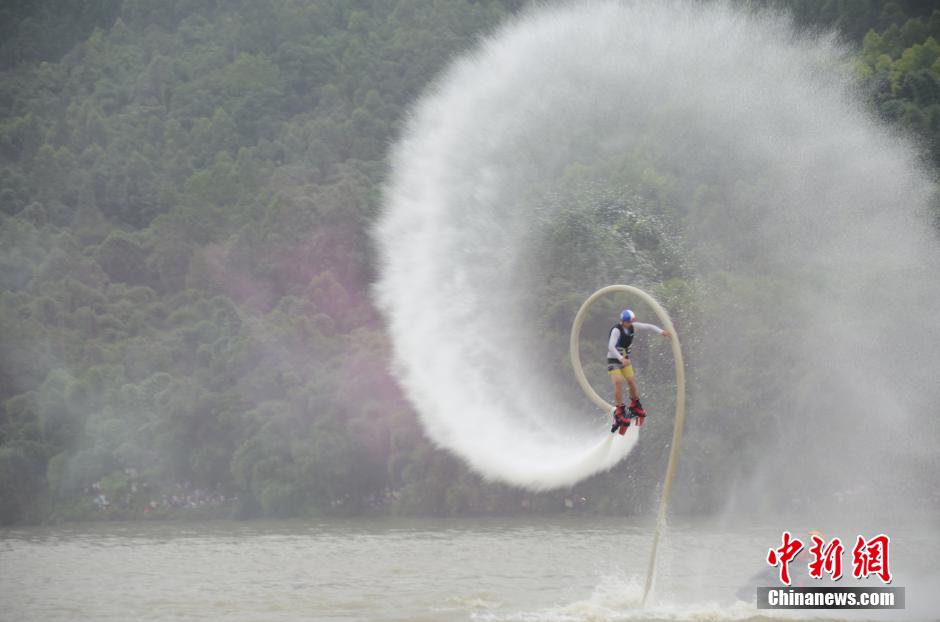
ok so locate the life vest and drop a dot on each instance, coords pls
(625, 339)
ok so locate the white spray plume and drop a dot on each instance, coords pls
(713, 97)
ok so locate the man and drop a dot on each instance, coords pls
(621, 370)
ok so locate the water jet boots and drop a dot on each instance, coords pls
(636, 409)
(621, 420)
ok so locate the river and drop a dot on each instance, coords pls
(570, 568)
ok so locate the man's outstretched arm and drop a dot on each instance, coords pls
(652, 328)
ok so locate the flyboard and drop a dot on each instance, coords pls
(604, 405)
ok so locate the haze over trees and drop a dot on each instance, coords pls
(186, 191)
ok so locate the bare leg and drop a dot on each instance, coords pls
(620, 408)
(618, 389)
(633, 392)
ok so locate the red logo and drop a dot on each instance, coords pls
(828, 558)
(784, 555)
(869, 557)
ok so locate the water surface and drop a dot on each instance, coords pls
(575, 568)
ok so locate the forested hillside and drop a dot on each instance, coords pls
(186, 194)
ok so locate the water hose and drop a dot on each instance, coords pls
(574, 348)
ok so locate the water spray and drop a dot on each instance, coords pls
(803, 225)
(604, 405)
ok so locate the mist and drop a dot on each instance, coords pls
(796, 224)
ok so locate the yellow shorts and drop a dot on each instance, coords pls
(617, 369)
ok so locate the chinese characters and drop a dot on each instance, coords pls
(869, 557)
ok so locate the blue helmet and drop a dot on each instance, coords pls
(627, 315)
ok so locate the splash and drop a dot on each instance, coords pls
(752, 137)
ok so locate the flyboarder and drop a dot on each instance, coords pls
(620, 368)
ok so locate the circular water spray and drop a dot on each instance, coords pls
(792, 203)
